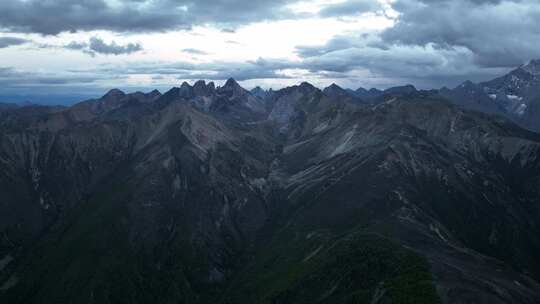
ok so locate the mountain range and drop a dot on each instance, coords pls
(210, 194)
(515, 95)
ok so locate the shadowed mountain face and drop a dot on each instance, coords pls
(515, 95)
(221, 195)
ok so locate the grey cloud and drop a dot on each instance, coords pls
(435, 43)
(55, 16)
(498, 33)
(426, 66)
(194, 51)
(74, 45)
(351, 7)
(334, 44)
(12, 78)
(260, 69)
(11, 41)
(96, 45)
(238, 74)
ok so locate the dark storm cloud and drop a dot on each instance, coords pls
(498, 33)
(341, 57)
(432, 43)
(54, 16)
(435, 43)
(426, 66)
(11, 41)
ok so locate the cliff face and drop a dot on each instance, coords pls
(205, 195)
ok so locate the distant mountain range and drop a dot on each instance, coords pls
(208, 194)
(515, 95)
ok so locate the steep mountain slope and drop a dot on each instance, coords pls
(216, 195)
(515, 95)
(406, 169)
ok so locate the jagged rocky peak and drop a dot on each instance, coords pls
(371, 93)
(334, 86)
(114, 93)
(307, 87)
(259, 92)
(532, 67)
(334, 90)
(231, 84)
(303, 88)
(200, 88)
(231, 87)
(361, 90)
(306, 84)
(152, 96)
(154, 93)
(199, 84)
(185, 86)
(185, 90)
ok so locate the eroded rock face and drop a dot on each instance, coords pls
(205, 195)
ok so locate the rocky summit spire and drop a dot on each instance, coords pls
(186, 90)
(334, 90)
(231, 87)
(307, 87)
(231, 83)
(200, 88)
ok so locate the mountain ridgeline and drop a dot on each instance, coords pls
(210, 194)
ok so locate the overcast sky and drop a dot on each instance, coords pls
(89, 46)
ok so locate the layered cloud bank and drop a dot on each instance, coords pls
(45, 45)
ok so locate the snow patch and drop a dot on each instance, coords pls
(521, 109)
(493, 96)
(438, 232)
(514, 97)
(43, 203)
